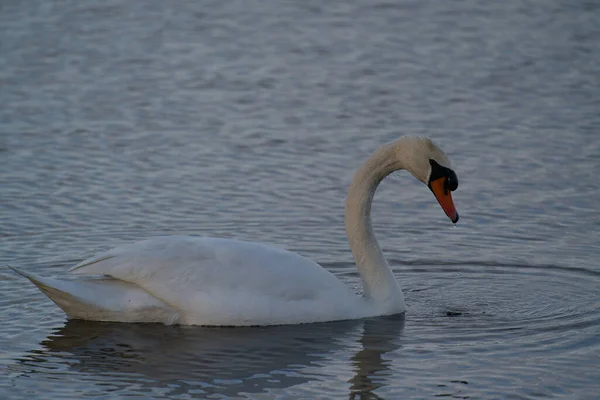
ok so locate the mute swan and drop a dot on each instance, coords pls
(210, 281)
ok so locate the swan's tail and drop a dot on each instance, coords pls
(102, 299)
(70, 296)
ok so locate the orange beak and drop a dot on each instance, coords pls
(444, 197)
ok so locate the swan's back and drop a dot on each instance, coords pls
(216, 281)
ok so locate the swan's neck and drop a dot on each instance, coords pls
(379, 283)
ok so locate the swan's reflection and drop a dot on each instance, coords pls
(223, 361)
(380, 336)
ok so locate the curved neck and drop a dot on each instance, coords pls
(379, 282)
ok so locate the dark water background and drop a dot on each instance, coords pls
(121, 120)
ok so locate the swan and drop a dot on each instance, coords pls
(192, 280)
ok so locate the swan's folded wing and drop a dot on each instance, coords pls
(163, 266)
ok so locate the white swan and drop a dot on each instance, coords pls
(210, 281)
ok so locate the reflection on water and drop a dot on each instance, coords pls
(380, 336)
(174, 359)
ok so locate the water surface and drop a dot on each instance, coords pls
(121, 120)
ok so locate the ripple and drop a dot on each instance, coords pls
(505, 308)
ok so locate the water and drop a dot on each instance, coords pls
(122, 120)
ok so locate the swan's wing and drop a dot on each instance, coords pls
(217, 276)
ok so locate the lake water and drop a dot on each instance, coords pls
(121, 120)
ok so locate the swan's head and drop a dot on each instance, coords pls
(429, 164)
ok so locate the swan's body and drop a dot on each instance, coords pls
(211, 281)
(224, 282)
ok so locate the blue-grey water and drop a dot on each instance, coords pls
(122, 120)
